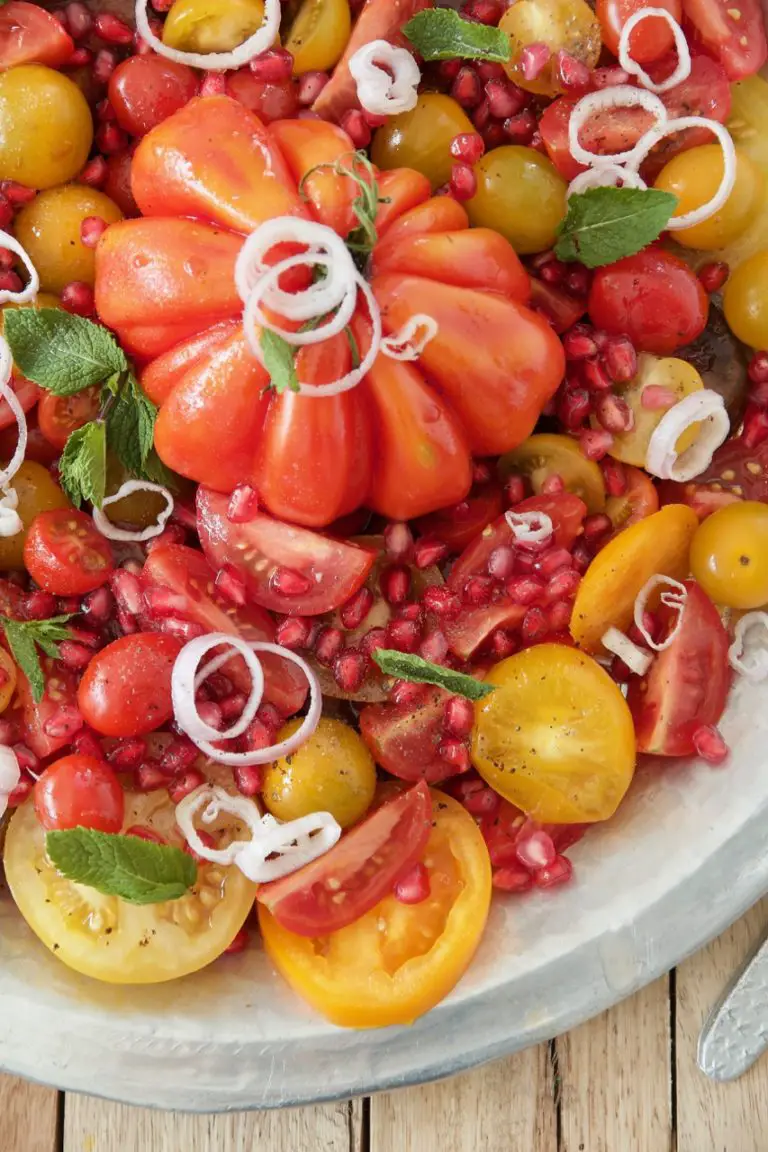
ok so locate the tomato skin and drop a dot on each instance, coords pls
(34, 716)
(734, 36)
(736, 473)
(650, 40)
(145, 90)
(687, 684)
(457, 527)
(126, 688)
(364, 865)
(640, 500)
(59, 416)
(653, 297)
(403, 738)
(79, 791)
(65, 554)
(30, 35)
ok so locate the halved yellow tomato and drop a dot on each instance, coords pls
(121, 943)
(556, 736)
(680, 379)
(399, 960)
(606, 597)
(549, 454)
(319, 35)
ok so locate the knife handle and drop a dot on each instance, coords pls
(736, 1032)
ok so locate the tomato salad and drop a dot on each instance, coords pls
(384, 442)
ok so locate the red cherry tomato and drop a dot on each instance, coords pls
(48, 725)
(733, 33)
(269, 101)
(145, 90)
(65, 554)
(126, 688)
(687, 684)
(30, 35)
(458, 526)
(59, 416)
(653, 298)
(652, 37)
(403, 738)
(360, 870)
(286, 569)
(26, 392)
(79, 792)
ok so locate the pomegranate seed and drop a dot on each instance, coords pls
(713, 276)
(74, 655)
(559, 617)
(398, 540)
(535, 850)
(484, 11)
(562, 586)
(535, 625)
(533, 59)
(141, 832)
(230, 584)
(79, 58)
(501, 563)
(232, 706)
(289, 582)
(573, 407)
(512, 880)
(98, 606)
(463, 182)
(553, 272)
(579, 343)
(214, 84)
(128, 754)
(403, 635)
(552, 561)
(105, 111)
(311, 85)
(514, 490)
(110, 139)
(248, 778)
(294, 632)
(173, 534)
(709, 744)
(127, 591)
(259, 736)
(77, 298)
(619, 671)
(163, 602)
(207, 841)
(482, 802)
(210, 713)
(755, 426)
(609, 77)
(413, 885)
(6, 212)
(578, 280)
(478, 591)
(28, 761)
(620, 359)
(92, 229)
(524, 589)
(148, 777)
(126, 623)
(395, 584)
(273, 66)
(182, 785)
(79, 20)
(455, 753)
(271, 715)
(355, 610)
(349, 669)
(373, 640)
(758, 368)
(39, 605)
(434, 647)
(64, 722)
(614, 476)
(759, 395)
(448, 70)
(558, 872)
(356, 127)
(553, 485)
(10, 282)
(502, 644)
(439, 599)
(180, 754)
(467, 147)
(104, 65)
(504, 98)
(657, 398)
(520, 128)
(574, 76)
(328, 645)
(614, 413)
(428, 551)
(458, 716)
(596, 526)
(411, 611)
(20, 793)
(406, 694)
(181, 629)
(467, 89)
(595, 376)
(595, 443)
(112, 30)
(243, 504)
(87, 743)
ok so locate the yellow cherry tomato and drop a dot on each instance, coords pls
(46, 129)
(7, 679)
(399, 960)
(210, 26)
(549, 454)
(319, 35)
(748, 121)
(694, 177)
(49, 229)
(520, 194)
(37, 492)
(729, 555)
(745, 301)
(421, 138)
(556, 737)
(332, 772)
(109, 939)
(676, 376)
(567, 25)
(607, 593)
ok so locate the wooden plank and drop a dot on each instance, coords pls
(507, 1106)
(28, 1116)
(615, 1078)
(92, 1125)
(718, 1117)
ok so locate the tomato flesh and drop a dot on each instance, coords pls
(403, 738)
(29, 34)
(43, 723)
(59, 416)
(734, 34)
(126, 688)
(79, 791)
(65, 554)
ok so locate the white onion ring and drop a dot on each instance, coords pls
(676, 599)
(683, 68)
(521, 525)
(10, 521)
(605, 176)
(403, 345)
(253, 315)
(705, 407)
(10, 774)
(108, 529)
(622, 96)
(261, 40)
(377, 91)
(630, 653)
(652, 137)
(32, 287)
(755, 667)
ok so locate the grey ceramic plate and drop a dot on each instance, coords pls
(687, 855)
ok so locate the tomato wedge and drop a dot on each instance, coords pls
(458, 526)
(321, 573)
(403, 738)
(345, 883)
(687, 684)
(30, 35)
(733, 33)
(736, 473)
(49, 724)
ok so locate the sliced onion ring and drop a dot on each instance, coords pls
(10, 521)
(320, 240)
(108, 529)
(7, 393)
(630, 653)
(605, 176)
(32, 287)
(621, 96)
(755, 666)
(262, 39)
(677, 599)
(403, 345)
(380, 93)
(682, 69)
(521, 525)
(704, 407)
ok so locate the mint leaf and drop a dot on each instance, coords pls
(24, 637)
(131, 426)
(83, 464)
(278, 361)
(60, 352)
(405, 667)
(441, 34)
(604, 225)
(136, 870)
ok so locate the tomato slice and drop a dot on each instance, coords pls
(65, 554)
(271, 555)
(736, 473)
(48, 725)
(345, 883)
(189, 578)
(640, 500)
(29, 34)
(59, 416)
(403, 738)
(458, 526)
(687, 684)
(734, 34)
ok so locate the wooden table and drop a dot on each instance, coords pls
(625, 1082)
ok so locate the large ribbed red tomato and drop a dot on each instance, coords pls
(400, 443)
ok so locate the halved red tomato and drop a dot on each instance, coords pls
(687, 684)
(403, 738)
(360, 870)
(30, 35)
(640, 500)
(562, 309)
(59, 416)
(26, 392)
(48, 725)
(458, 526)
(286, 568)
(736, 473)
(733, 33)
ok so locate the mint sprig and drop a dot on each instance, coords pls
(25, 637)
(138, 871)
(604, 225)
(60, 352)
(441, 34)
(403, 666)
